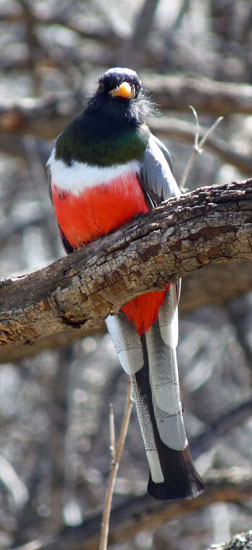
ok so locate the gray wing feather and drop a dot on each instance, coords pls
(156, 176)
(165, 152)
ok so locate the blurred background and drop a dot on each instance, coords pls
(54, 402)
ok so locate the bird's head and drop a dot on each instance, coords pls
(119, 83)
(120, 95)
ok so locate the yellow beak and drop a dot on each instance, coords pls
(124, 90)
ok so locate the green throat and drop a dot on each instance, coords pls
(107, 150)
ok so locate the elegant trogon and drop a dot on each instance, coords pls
(105, 168)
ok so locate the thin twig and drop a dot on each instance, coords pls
(114, 469)
(197, 133)
(181, 130)
(210, 130)
(112, 433)
(198, 145)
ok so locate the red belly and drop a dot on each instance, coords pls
(96, 212)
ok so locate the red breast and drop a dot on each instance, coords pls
(95, 212)
(98, 210)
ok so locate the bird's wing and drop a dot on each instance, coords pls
(67, 246)
(49, 180)
(156, 175)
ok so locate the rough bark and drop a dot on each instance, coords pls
(212, 285)
(143, 513)
(243, 541)
(209, 226)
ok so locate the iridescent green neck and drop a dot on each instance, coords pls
(106, 150)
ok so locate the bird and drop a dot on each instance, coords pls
(105, 168)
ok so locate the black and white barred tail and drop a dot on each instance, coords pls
(151, 363)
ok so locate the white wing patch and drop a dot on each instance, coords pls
(79, 176)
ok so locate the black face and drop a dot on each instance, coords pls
(116, 76)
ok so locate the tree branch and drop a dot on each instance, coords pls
(44, 118)
(207, 96)
(142, 513)
(220, 427)
(135, 46)
(208, 226)
(212, 285)
(181, 130)
(168, 127)
(47, 117)
(103, 33)
(116, 457)
(243, 541)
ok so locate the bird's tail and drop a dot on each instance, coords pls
(152, 365)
